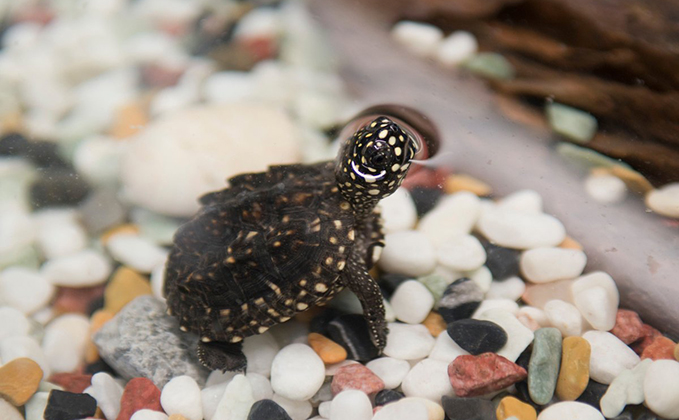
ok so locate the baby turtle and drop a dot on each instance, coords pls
(276, 243)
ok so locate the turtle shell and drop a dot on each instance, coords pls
(271, 245)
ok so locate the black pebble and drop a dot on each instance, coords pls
(99, 366)
(390, 282)
(459, 300)
(386, 396)
(63, 405)
(13, 144)
(477, 336)
(625, 415)
(593, 393)
(425, 198)
(502, 262)
(319, 323)
(644, 414)
(351, 332)
(95, 305)
(267, 410)
(45, 154)
(58, 187)
(468, 408)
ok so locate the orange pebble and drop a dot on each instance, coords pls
(126, 228)
(19, 380)
(130, 119)
(660, 348)
(434, 323)
(570, 243)
(177, 417)
(329, 351)
(98, 319)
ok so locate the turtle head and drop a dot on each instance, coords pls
(373, 162)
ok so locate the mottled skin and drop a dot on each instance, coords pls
(279, 242)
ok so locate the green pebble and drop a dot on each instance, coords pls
(436, 285)
(577, 125)
(587, 157)
(490, 65)
(543, 367)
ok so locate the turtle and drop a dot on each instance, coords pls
(276, 243)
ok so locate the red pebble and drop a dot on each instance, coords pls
(649, 334)
(71, 382)
(425, 178)
(472, 376)
(628, 326)
(76, 299)
(660, 348)
(260, 47)
(139, 393)
(358, 377)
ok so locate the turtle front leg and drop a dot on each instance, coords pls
(357, 279)
(217, 355)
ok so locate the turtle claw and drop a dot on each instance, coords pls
(217, 355)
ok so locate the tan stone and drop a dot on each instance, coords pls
(461, 182)
(125, 285)
(130, 119)
(19, 380)
(570, 243)
(126, 228)
(98, 319)
(434, 323)
(510, 406)
(539, 294)
(177, 417)
(574, 373)
(635, 181)
(329, 351)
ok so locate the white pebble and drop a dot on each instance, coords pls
(65, 340)
(16, 230)
(456, 48)
(408, 342)
(259, 22)
(661, 388)
(107, 392)
(351, 405)
(606, 189)
(229, 87)
(570, 410)
(261, 386)
(136, 252)
(494, 304)
(297, 372)
(454, 214)
(521, 230)
(597, 298)
(527, 201)
(665, 200)
(410, 409)
(398, 211)
(408, 252)
(461, 252)
(428, 379)
(564, 316)
(181, 395)
(237, 400)
(21, 346)
(158, 281)
(260, 351)
(482, 277)
(25, 289)
(519, 337)
(218, 377)
(98, 157)
(390, 370)
(8, 411)
(445, 349)
(146, 414)
(626, 389)
(61, 239)
(210, 397)
(542, 265)
(325, 409)
(533, 318)
(510, 288)
(83, 269)
(419, 38)
(35, 407)
(609, 357)
(297, 410)
(412, 302)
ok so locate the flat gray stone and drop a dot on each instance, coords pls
(142, 340)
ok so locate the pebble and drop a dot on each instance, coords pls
(146, 414)
(16, 347)
(107, 392)
(512, 407)
(140, 335)
(9, 412)
(297, 372)
(297, 410)
(71, 382)
(626, 389)
(358, 377)
(434, 323)
(628, 326)
(461, 253)
(62, 239)
(539, 294)
(57, 186)
(84, 268)
(351, 405)
(19, 380)
(419, 38)
(476, 336)
(136, 252)
(408, 252)
(665, 200)
(532, 317)
(25, 289)
(473, 376)
(502, 262)
(564, 316)
(519, 337)
(597, 298)
(229, 87)
(125, 285)
(528, 201)
(456, 48)
(77, 299)
(455, 214)
(267, 410)
(543, 368)
(490, 65)
(511, 288)
(660, 348)
(445, 349)
(102, 210)
(260, 351)
(609, 356)
(35, 407)
(410, 409)
(411, 302)
(661, 388)
(428, 379)
(261, 386)
(391, 371)
(649, 334)
(437, 281)
(606, 189)
(351, 332)
(468, 408)
(139, 393)
(236, 401)
(574, 373)
(593, 393)
(398, 211)
(408, 342)
(65, 341)
(460, 299)
(329, 351)
(63, 405)
(496, 304)
(520, 230)
(577, 125)
(570, 410)
(461, 182)
(542, 265)
(12, 323)
(387, 396)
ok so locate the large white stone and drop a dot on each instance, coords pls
(82, 269)
(181, 395)
(570, 410)
(260, 351)
(236, 401)
(390, 370)
(412, 302)
(107, 392)
(408, 342)
(510, 288)
(21, 346)
(461, 253)
(25, 289)
(596, 296)
(521, 230)
(13, 323)
(136, 252)
(518, 336)
(445, 349)
(61, 239)
(542, 265)
(297, 372)
(351, 405)
(428, 379)
(528, 201)
(408, 252)
(65, 340)
(398, 211)
(665, 200)
(661, 388)
(297, 410)
(564, 316)
(456, 48)
(626, 388)
(606, 189)
(410, 409)
(419, 38)
(454, 214)
(8, 411)
(609, 357)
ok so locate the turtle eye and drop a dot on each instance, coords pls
(378, 155)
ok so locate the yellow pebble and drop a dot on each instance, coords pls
(461, 182)
(329, 351)
(130, 119)
(434, 323)
(510, 406)
(635, 181)
(98, 319)
(127, 228)
(574, 373)
(125, 285)
(177, 417)
(570, 243)
(19, 379)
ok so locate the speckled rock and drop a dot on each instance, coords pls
(574, 372)
(357, 377)
(510, 406)
(460, 299)
(543, 367)
(472, 376)
(19, 380)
